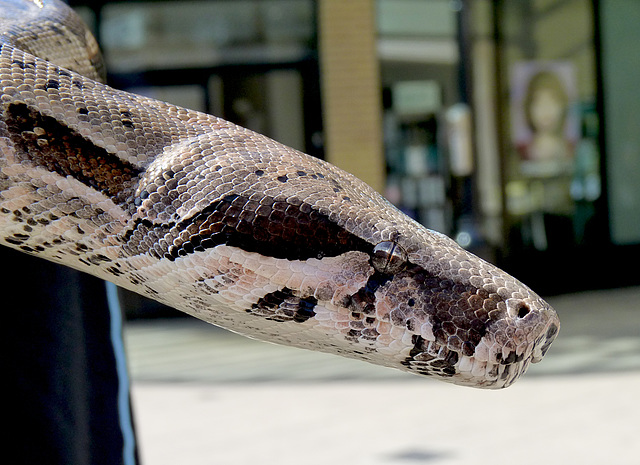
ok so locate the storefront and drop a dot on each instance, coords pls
(567, 114)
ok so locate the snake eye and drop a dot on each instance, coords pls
(388, 257)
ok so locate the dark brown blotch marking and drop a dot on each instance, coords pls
(273, 228)
(126, 119)
(115, 271)
(364, 300)
(455, 309)
(460, 315)
(13, 240)
(424, 363)
(552, 332)
(51, 84)
(60, 149)
(511, 358)
(284, 305)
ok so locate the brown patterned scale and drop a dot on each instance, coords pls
(234, 228)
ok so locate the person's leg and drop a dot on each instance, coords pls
(68, 390)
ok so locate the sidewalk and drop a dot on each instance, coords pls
(204, 396)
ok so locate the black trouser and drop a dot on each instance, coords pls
(67, 393)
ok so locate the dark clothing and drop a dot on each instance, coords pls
(63, 380)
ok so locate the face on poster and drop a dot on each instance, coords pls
(543, 95)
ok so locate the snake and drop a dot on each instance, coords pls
(234, 228)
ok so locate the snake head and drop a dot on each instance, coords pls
(457, 317)
(332, 266)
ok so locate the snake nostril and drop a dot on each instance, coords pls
(523, 310)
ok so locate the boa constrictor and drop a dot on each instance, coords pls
(234, 228)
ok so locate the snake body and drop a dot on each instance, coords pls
(234, 228)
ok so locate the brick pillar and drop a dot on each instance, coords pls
(351, 93)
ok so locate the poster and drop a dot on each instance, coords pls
(544, 121)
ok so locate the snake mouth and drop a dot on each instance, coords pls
(489, 375)
(496, 371)
(542, 345)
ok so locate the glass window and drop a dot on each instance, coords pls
(620, 70)
(550, 146)
(159, 35)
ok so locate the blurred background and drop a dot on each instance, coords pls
(511, 126)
